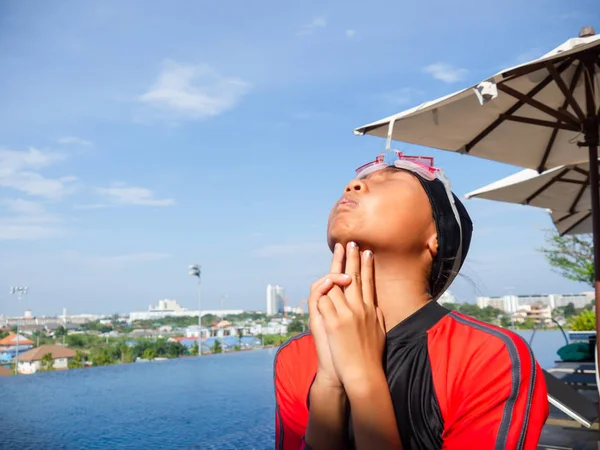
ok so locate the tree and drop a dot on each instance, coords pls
(78, 362)
(586, 321)
(217, 348)
(297, 326)
(149, 353)
(60, 332)
(569, 310)
(194, 349)
(47, 362)
(571, 256)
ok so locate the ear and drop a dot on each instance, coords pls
(432, 245)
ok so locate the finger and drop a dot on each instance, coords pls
(339, 300)
(327, 311)
(354, 291)
(339, 279)
(337, 259)
(381, 320)
(367, 277)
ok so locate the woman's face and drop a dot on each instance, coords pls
(388, 210)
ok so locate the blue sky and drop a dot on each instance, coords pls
(139, 138)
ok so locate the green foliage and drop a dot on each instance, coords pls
(194, 349)
(60, 332)
(297, 326)
(83, 340)
(571, 256)
(149, 353)
(3, 334)
(78, 362)
(216, 348)
(125, 353)
(487, 314)
(47, 362)
(273, 339)
(586, 321)
(103, 356)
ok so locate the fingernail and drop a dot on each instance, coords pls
(327, 280)
(336, 246)
(353, 244)
(346, 275)
(368, 254)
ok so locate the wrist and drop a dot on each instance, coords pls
(328, 381)
(366, 386)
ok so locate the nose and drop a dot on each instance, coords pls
(355, 186)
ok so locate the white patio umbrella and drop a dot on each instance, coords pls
(564, 191)
(538, 115)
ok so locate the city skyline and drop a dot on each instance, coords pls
(225, 139)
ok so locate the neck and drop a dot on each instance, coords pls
(400, 287)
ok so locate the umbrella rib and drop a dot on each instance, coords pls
(568, 93)
(559, 115)
(578, 182)
(574, 81)
(541, 123)
(546, 186)
(579, 194)
(514, 108)
(572, 227)
(585, 173)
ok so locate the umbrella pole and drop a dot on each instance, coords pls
(591, 129)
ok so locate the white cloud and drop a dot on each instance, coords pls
(18, 170)
(446, 72)
(121, 194)
(27, 220)
(317, 22)
(275, 251)
(74, 140)
(193, 92)
(350, 33)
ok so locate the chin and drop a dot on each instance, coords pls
(341, 238)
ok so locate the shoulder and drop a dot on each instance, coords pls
(490, 388)
(296, 353)
(480, 339)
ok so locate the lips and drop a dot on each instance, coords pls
(347, 201)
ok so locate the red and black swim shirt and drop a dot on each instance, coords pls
(456, 383)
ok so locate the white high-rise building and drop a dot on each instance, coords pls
(275, 300)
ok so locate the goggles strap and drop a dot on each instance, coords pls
(388, 142)
(458, 259)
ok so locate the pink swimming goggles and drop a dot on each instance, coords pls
(420, 165)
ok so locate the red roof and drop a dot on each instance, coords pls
(11, 339)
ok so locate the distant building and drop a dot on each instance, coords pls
(170, 308)
(275, 300)
(31, 361)
(512, 303)
(536, 312)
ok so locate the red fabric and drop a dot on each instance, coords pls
(295, 369)
(474, 365)
(490, 390)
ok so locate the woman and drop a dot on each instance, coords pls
(384, 366)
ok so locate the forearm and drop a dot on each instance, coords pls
(327, 418)
(373, 416)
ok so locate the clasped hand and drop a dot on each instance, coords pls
(347, 326)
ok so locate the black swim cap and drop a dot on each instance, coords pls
(448, 261)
